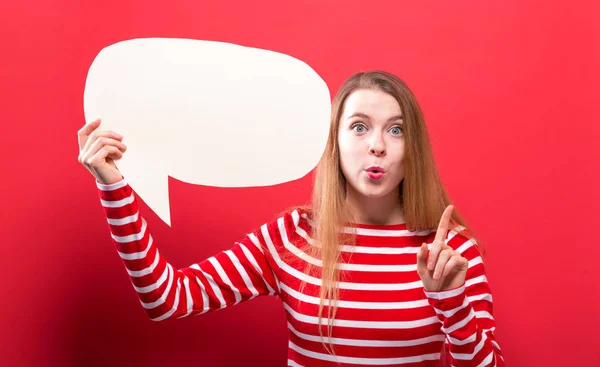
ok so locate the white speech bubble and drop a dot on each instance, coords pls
(207, 113)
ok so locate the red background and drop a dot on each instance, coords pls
(510, 93)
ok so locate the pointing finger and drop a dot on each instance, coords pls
(442, 230)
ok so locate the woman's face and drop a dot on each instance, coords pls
(370, 135)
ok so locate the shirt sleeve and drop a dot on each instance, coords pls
(466, 312)
(238, 274)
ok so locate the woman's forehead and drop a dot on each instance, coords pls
(371, 104)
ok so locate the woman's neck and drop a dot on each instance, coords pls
(379, 211)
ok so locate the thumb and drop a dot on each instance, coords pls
(422, 259)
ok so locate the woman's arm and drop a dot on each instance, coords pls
(228, 278)
(466, 312)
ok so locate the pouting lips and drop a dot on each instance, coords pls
(375, 172)
(375, 169)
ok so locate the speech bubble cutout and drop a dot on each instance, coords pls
(207, 113)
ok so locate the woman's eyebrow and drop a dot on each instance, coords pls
(365, 116)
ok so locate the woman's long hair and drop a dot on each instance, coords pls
(421, 191)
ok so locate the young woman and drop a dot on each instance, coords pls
(377, 270)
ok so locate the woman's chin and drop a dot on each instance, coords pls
(374, 193)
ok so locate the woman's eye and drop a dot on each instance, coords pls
(359, 128)
(396, 130)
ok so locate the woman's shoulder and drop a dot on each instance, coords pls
(288, 219)
(461, 239)
(295, 214)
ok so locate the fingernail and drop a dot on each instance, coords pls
(430, 265)
(436, 275)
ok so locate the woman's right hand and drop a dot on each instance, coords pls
(98, 150)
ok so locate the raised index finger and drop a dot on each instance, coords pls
(442, 230)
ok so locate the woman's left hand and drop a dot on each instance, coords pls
(441, 267)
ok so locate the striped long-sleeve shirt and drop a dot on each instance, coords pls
(384, 316)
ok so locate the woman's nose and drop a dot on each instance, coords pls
(377, 145)
(377, 151)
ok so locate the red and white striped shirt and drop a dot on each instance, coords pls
(384, 316)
